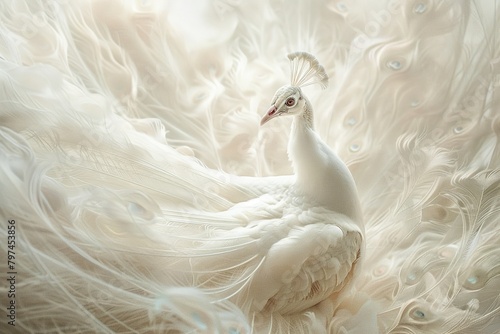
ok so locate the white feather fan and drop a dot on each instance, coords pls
(131, 160)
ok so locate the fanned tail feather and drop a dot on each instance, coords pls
(124, 140)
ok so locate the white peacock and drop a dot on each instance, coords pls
(118, 232)
(303, 233)
(322, 244)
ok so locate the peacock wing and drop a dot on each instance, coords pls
(314, 260)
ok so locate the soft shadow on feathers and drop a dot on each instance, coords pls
(131, 154)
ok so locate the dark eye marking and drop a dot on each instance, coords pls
(290, 102)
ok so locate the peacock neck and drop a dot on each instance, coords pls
(302, 145)
(319, 172)
(306, 118)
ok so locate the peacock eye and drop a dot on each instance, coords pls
(290, 102)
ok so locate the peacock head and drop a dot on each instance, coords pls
(289, 100)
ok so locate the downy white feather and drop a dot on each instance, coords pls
(133, 164)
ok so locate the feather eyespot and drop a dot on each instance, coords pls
(290, 102)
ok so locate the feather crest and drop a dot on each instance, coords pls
(306, 70)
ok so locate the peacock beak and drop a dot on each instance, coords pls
(270, 114)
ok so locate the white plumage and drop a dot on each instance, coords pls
(320, 258)
(148, 199)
